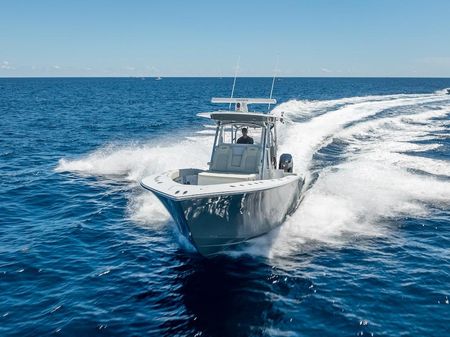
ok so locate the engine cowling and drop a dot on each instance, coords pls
(286, 162)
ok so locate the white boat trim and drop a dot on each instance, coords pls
(165, 185)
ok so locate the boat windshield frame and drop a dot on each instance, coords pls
(235, 127)
(267, 142)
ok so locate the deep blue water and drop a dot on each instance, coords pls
(84, 251)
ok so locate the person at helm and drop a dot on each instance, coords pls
(245, 138)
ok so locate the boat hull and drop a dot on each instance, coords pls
(214, 224)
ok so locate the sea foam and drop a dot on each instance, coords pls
(379, 175)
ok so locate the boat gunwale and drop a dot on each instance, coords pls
(205, 194)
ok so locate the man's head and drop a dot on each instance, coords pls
(244, 132)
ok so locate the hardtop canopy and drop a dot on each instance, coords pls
(243, 100)
(241, 103)
(242, 117)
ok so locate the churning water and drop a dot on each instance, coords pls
(85, 250)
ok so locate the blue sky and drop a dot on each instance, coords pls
(205, 38)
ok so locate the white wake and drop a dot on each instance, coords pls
(379, 175)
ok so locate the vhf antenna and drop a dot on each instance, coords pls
(234, 81)
(273, 81)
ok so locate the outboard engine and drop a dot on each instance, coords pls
(286, 163)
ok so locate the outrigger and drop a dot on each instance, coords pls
(244, 194)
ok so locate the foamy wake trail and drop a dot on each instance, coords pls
(135, 161)
(379, 175)
(304, 139)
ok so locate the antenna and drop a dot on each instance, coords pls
(234, 81)
(273, 81)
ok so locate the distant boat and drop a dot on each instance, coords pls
(159, 78)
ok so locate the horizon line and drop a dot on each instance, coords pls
(220, 77)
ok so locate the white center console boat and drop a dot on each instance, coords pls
(246, 192)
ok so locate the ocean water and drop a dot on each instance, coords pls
(84, 251)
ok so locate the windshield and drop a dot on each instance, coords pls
(240, 134)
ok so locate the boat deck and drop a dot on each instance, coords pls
(181, 184)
